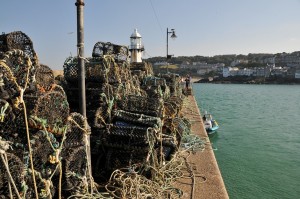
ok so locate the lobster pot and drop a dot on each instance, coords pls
(75, 131)
(153, 91)
(176, 100)
(104, 69)
(72, 96)
(154, 81)
(143, 66)
(120, 158)
(96, 140)
(71, 72)
(51, 111)
(142, 105)
(18, 40)
(168, 149)
(16, 169)
(173, 106)
(98, 70)
(102, 117)
(136, 118)
(175, 128)
(157, 91)
(120, 53)
(130, 88)
(8, 88)
(16, 71)
(124, 136)
(173, 81)
(44, 78)
(166, 92)
(171, 78)
(93, 96)
(139, 73)
(9, 118)
(75, 167)
(125, 72)
(44, 157)
(175, 90)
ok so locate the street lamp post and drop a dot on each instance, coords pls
(173, 36)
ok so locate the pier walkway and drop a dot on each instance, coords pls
(206, 181)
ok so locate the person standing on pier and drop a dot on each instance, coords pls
(187, 81)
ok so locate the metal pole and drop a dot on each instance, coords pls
(167, 50)
(80, 54)
(81, 83)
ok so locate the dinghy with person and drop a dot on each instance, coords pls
(211, 125)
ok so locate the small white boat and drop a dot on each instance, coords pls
(210, 124)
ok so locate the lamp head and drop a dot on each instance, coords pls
(173, 36)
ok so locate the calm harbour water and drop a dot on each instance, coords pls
(258, 142)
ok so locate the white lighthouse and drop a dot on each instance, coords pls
(136, 48)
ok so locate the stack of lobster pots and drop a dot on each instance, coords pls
(125, 109)
(38, 135)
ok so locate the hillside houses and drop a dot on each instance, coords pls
(254, 64)
(267, 71)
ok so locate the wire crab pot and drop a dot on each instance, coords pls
(142, 105)
(15, 73)
(174, 82)
(154, 81)
(75, 131)
(44, 78)
(128, 137)
(50, 111)
(98, 70)
(17, 172)
(143, 66)
(106, 48)
(116, 159)
(18, 40)
(138, 119)
(76, 170)
(173, 106)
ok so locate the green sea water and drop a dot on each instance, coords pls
(258, 142)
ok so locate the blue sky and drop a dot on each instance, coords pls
(203, 27)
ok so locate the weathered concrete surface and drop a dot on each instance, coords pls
(207, 180)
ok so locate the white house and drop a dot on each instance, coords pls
(229, 71)
(245, 72)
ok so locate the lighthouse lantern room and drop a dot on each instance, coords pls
(136, 47)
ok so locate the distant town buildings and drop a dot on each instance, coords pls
(267, 71)
(286, 65)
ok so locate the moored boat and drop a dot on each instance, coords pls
(211, 125)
